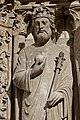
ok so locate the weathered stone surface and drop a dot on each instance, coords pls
(77, 61)
(15, 34)
(46, 85)
(5, 72)
(39, 1)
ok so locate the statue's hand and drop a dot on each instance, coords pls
(38, 66)
(54, 99)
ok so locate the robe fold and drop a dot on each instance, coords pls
(36, 90)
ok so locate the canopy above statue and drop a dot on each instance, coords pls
(39, 1)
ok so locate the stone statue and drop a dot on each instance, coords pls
(43, 73)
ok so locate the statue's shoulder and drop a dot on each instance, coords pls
(64, 50)
(27, 50)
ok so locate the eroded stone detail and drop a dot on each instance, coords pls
(6, 23)
(5, 72)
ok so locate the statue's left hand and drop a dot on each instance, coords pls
(54, 99)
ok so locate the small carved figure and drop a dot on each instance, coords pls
(43, 73)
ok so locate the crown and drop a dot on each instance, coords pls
(42, 12)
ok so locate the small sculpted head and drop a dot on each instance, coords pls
(42, 25)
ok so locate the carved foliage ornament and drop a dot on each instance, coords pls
(5, 58)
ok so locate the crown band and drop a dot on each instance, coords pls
(41, 12)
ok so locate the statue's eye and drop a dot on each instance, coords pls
(44, 22)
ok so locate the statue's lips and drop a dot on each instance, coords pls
(42, 31)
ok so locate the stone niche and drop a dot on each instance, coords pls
(14, 36)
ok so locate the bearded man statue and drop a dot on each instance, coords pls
(44, 74)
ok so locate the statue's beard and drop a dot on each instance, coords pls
(42, 37)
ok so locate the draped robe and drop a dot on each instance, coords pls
(36, 90)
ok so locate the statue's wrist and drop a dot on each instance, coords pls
(35, 73)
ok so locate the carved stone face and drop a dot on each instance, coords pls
(41, 30)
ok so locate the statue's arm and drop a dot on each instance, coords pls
(21, 76)
(63, 87)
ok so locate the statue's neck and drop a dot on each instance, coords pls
(48, 43)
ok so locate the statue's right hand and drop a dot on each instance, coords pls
(37, 67)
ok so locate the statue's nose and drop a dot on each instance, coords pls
(41, 25)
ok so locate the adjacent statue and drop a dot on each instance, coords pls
(43, 73)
